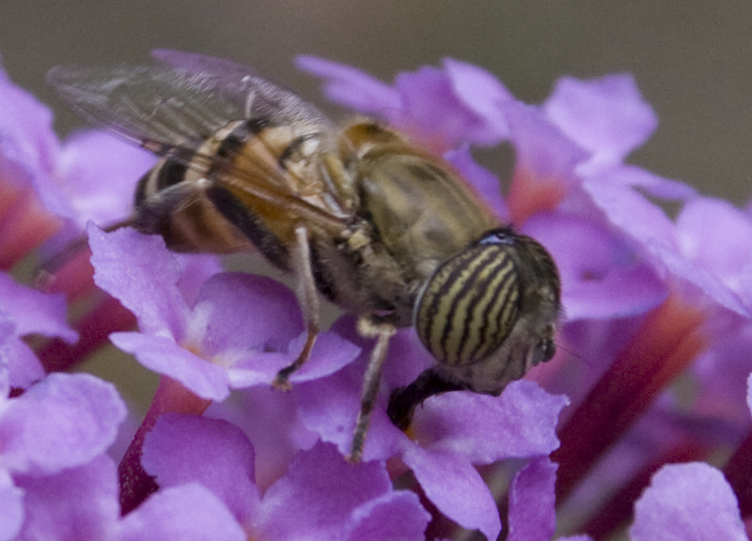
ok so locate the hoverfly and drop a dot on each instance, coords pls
(357, 212)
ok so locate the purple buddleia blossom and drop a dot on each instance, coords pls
(450, 433)
(28, 146)
(321, 496)
(463, 92)
(687, 502)
(531, 502)
(25, 312)
(89, 176)
(241, 330)
(545, 149)
(189, 512)
(616, 267)
(684, 502)
(704, 256)
(55, 429)
(622, 260)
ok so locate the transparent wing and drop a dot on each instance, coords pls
(227, 70)
(162, 107)
(172, 109)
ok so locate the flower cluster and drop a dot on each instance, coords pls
(649, 383)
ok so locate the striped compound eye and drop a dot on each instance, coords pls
(470, 304)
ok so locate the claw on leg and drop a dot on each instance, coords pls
(281, 381)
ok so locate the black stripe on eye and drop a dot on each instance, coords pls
(469, 305)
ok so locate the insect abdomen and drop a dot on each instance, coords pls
(190, 198)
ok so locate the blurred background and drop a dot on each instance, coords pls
(692, 60)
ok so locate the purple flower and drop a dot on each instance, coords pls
(619, 255)
(240, 331)
(687, 501)
(465, 95)
(450, 433)
(90, 176)
(51, 433)
(531, 502)
(646, 298)
(24, 312)
(189, 512)
(321, 496)
(683, 502)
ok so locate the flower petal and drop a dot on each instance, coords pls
(86, 159)
(164, 356)
(188, 512)
(481, 92)
(11, 507)
(687, 502)
(330, 407)
(715, 235)
(274, 428)
(321, 490)
(456, 488)
(61, 422)
(35, 312)
(22, 364)
(77, 503)
(352, 87)
(138, 270)
(483, 429)
(606, 116)
(397, 516)
(602, 275)
(28, 147)
(532, 501)
(248, 312)
(185, 448)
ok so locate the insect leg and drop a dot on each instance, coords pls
(147, 218)
(309, 302)
(371, 381)
(152, 212)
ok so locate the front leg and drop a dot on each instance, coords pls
(309, 302)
